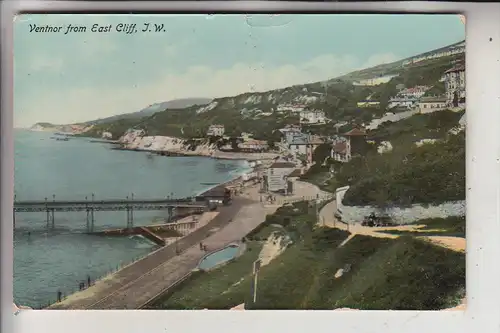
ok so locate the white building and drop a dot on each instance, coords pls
(432, 104)
(277, 176)
(402, 102)
(312, 117)
(454, 83)
(303, 144)
(215, 130)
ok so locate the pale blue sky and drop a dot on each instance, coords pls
(82, 76)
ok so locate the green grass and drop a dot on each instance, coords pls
(398, 274)
(409, 274)
(201, 292)
(431, 174)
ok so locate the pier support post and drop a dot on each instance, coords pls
(53, 218)
(170, 213)
(130, 215)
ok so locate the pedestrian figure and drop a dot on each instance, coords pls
(59, 296)
(201, 246)
(88, 281)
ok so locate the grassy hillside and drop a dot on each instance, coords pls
(430, 174)
(399, 274)
(257, 112)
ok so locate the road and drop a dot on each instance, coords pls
(328, 219)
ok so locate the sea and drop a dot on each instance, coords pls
(48, 260)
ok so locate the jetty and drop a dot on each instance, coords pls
(139, 283)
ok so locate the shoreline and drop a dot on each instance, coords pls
(217, 155)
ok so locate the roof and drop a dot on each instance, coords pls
(433, 99)
(339, 147)
(356, 132)
(299, 140)
(458, 68)
(282, 165)
(295, 173)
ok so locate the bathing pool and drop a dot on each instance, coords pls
(219, 257)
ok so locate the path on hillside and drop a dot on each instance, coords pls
(328, 219)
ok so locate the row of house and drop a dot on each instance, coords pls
(457, 49)
(408, 97)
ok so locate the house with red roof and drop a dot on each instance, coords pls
(351, 144)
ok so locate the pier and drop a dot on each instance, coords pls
(192, 205)
(136, 285)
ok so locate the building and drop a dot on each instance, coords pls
(432, 104)
(291, 128)
(312, 117)
(339, 152)
(402, 102)
(253, 146)
(276, 179)
(215, 130)
(454, 83)
(414, 92)
(304, 145)
(353, 143)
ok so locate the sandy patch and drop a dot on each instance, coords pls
(272, 248)
(453, 243)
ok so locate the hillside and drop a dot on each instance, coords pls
(263, 112)
(153, 108)
(325, 268)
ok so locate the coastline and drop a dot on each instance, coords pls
(218, 155)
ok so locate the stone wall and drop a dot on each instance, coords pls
(356, 214)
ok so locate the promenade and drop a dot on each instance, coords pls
(139, 282)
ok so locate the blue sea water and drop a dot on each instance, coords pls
(47, 260)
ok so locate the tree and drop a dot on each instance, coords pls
(455, 99)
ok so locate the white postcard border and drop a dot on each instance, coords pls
(483, 195)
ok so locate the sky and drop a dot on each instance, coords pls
(71, 77)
